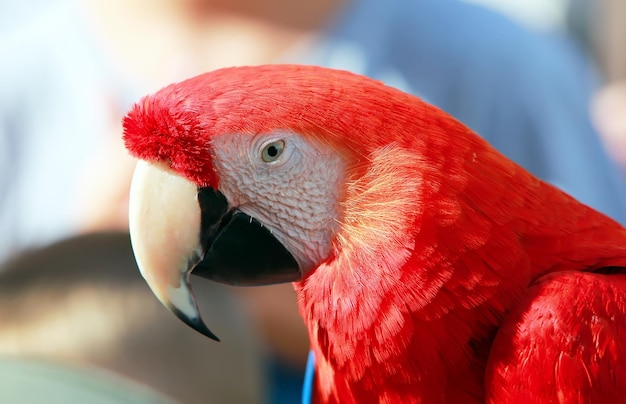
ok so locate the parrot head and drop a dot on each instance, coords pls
(250, 175)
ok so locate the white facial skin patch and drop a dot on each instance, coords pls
(287, 182)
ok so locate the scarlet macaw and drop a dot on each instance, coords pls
(428, 267)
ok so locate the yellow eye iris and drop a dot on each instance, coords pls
(272, 151)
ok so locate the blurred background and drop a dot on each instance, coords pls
(543, 80)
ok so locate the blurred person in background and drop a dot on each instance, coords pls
(537, 15)
(602, 27)
(81, 302)
(71, 72)
(598, 27)
(609, 113)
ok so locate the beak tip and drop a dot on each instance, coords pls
(196, 323)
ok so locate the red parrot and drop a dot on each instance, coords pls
(428, 267)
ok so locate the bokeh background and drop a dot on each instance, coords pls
(542, 80)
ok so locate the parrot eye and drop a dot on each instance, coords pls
(272, 151)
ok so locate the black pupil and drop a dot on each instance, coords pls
(272, 151)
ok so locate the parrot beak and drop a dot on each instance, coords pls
(177, 229)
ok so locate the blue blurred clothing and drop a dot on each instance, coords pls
(526, 93)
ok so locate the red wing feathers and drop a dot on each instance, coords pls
(564, 344)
